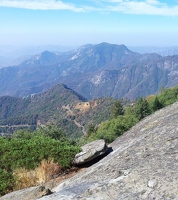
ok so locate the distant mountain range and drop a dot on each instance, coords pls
(14, 55)
(103, 70)
(163, 51)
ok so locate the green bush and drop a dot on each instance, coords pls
(6, 182)
(113, 128)
(16, 153)
(168, 96)
(142, 108)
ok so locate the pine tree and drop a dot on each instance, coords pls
(117, 109)
(142, 108)
(156, 105)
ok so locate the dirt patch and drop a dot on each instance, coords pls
(83, 107)
(86, 106)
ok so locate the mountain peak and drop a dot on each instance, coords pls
(47, 55)
(45, 58)
(115, 48)
(105, 44)
(63, 90)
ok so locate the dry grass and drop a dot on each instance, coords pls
(44, 172)
(83, 107)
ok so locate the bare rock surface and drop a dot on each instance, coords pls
(142, 165)
(31, 193)
(90, 151)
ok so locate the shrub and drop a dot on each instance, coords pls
(6, 182)
(142, 108)
(113, 128)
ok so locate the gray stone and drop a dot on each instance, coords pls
(90, 151)
(31, 193)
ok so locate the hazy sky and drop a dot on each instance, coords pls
(65, 22)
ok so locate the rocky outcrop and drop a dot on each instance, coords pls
(27, 194)
(143, 165)
(90, 151)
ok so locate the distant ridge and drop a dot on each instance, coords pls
(59, 105)
(102, 70)
(36, 104)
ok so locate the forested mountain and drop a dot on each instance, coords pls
(103, 70)
(60, 105)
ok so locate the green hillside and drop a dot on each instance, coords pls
(60, 105)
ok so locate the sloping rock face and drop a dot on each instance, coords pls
(90, 151)
(143, 165)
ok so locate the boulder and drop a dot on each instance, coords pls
(90, 151)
